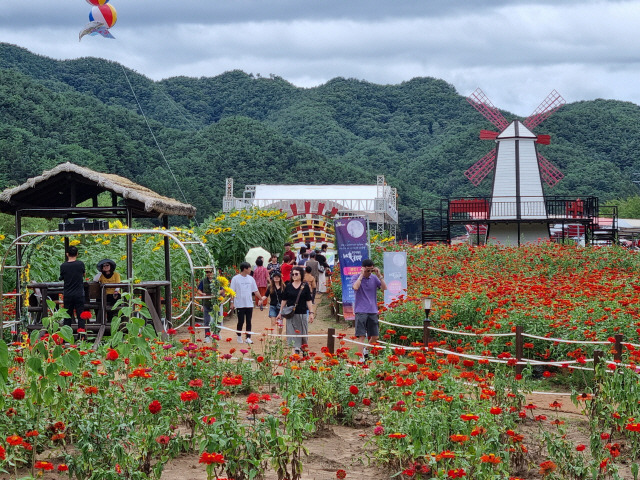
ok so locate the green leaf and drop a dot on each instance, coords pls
(66, 332)
(35, 364)
(48, 395)
(71, 360)
(57, 351)
(4, 354)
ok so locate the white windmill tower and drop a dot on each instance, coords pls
(518, 212)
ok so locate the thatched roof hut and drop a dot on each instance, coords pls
(58, 192)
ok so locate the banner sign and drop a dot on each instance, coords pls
(353, 247)
(395, 275)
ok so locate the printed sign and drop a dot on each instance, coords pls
(353, 247)
(395, 275)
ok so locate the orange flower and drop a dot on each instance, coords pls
(491, 458)
(458, 438)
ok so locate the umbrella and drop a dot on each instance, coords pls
(106, 260)
(254, 253)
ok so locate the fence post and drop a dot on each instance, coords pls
(617, 355)
(519, 348)
(597, 358)
(426, 336)
(331, 340)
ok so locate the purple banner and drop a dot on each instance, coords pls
(353, 247)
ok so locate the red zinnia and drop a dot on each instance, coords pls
(188, 396)
(63, 467)
(44, 465)
(85, 315)
(112, 355)
(209, 458)
(14, 440)
(353, 389)
(341, 474)
(155, 407)
(18, 394)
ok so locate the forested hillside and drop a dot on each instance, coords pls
(421, 134)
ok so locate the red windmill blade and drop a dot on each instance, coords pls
(481, 168)
(549, 105)
(549, 173)
(481, 103)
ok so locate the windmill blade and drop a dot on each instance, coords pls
(488, 135)
(549, 105)
(481, 168)
(481, 103)
(550, 174)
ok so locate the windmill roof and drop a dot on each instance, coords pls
(516, 129)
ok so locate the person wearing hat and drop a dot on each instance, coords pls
(204, 290)
(108, 274)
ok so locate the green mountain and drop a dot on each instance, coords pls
(421, 134)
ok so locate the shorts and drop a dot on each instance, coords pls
(274, 310)
(367, 325)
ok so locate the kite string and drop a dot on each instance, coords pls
(152, 134)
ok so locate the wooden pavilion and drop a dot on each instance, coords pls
(70, 193)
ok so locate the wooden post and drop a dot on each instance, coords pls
(617, 355)
(426, 336)
(331, 341)
(597, 359)
(519, 348)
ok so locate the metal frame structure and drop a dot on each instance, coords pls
(381, 210)
(560, 211)
(26, 239)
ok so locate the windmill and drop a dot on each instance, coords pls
(518, 211)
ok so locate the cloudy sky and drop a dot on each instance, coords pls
(516, 51)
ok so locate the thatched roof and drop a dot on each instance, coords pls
(68, 185)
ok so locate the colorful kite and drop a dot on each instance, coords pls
(102, 17)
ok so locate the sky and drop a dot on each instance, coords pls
(516, 51)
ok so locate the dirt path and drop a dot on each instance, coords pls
(262, 324)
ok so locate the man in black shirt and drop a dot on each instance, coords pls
(72, 273)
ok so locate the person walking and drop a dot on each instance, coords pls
(366, 306)
(314, 264)
(204, 290)
(261, 276)
(273, 264)
(286, 268)
(275, 294)
(245, 288)
(297, 293)
(72, 274)
(311, 281)
(323, 270)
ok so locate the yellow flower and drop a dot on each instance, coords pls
(137, 280)
(73, 243)
(123, 257)
(228, 291)
(106, 242)
(223, 281)
(227, 229)
(243, 223)
(217, 230)
(2, 237)
(156, 248)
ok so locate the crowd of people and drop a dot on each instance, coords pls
(295, 283)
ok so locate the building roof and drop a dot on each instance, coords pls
(68, 184)
(316, 192)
